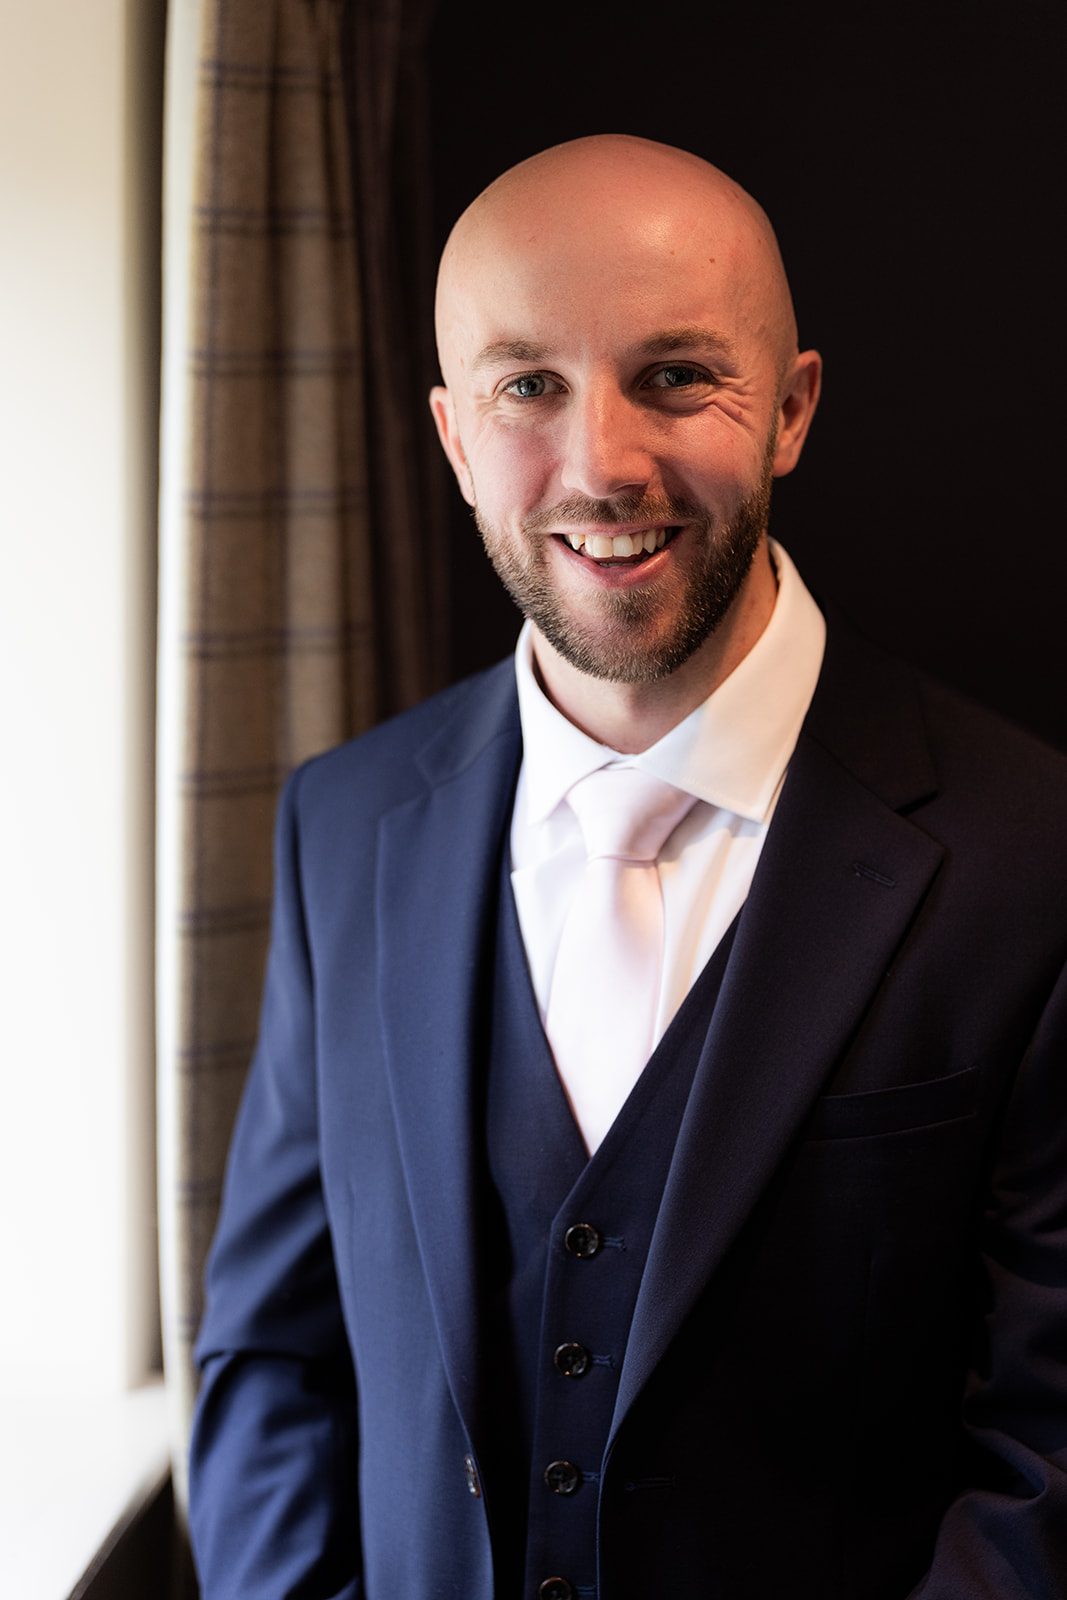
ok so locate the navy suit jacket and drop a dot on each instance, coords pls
(847, 1367)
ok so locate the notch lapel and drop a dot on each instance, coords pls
(438, 884)
(840, 880)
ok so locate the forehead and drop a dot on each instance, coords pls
(595, 276)
(629, 342)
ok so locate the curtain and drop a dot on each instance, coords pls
(301, 567)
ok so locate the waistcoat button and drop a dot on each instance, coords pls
(582, 1240)
(573, 1360)
(473, 1486)
(555, 1589)
(562, 1477)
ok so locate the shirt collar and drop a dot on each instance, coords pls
(731, 751)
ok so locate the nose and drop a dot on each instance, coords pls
(606, 451)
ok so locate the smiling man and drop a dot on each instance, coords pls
(618, 397)
(652, 1178)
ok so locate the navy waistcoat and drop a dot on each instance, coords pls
(568, 1238)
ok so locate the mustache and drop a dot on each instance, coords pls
(579, 508)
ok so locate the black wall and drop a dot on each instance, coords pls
(911, 165)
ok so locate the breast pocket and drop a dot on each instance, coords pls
(908, 1107)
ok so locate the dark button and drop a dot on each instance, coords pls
(562, 1477)
(573, 1360)
(582, 1240)
(473, 1486)
(555, 1589)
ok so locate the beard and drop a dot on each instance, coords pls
(644, 635)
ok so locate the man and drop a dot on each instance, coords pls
(767, 1295)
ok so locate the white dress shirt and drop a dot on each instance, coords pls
(731, 752)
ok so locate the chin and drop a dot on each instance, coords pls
(631, 648)
(641, 635)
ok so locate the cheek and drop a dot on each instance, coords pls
(512, 471)
(728, 464)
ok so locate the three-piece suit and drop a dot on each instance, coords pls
(798, 1329)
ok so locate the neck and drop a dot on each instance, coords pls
(630, 717)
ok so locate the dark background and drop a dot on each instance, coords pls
(910, 160)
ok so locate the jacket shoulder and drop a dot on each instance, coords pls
(398, 758)
(957, 768)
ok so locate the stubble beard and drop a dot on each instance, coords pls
(629, 642)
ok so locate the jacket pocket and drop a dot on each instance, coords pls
(878, 1111)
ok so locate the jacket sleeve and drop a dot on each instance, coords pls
(1007, 1540)
(273, 1494)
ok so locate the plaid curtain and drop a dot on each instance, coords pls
(301, 576)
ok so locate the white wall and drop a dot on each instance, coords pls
(78, 152)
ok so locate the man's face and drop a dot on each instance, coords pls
(612, 413)
(639, 628)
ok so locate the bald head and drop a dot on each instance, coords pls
(619, 353)
(615, 201)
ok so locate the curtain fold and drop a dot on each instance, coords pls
(387, 99)
(298, 602)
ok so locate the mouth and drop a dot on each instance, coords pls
(620, 549)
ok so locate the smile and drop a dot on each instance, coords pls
(620, 546)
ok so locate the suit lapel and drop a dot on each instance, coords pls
(840, 879)
(438, 882)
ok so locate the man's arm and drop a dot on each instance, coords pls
(273, 1493)
(1008, 1539)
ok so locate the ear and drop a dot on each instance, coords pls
(800, 396)
(444, 415)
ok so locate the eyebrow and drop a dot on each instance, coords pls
(509, 350)
(690, 337)
(699, 339)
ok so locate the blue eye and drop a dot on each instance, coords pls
(676, 377)
(529, 387)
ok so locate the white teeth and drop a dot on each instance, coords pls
(621, 546)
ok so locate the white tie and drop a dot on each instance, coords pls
(605, 987)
